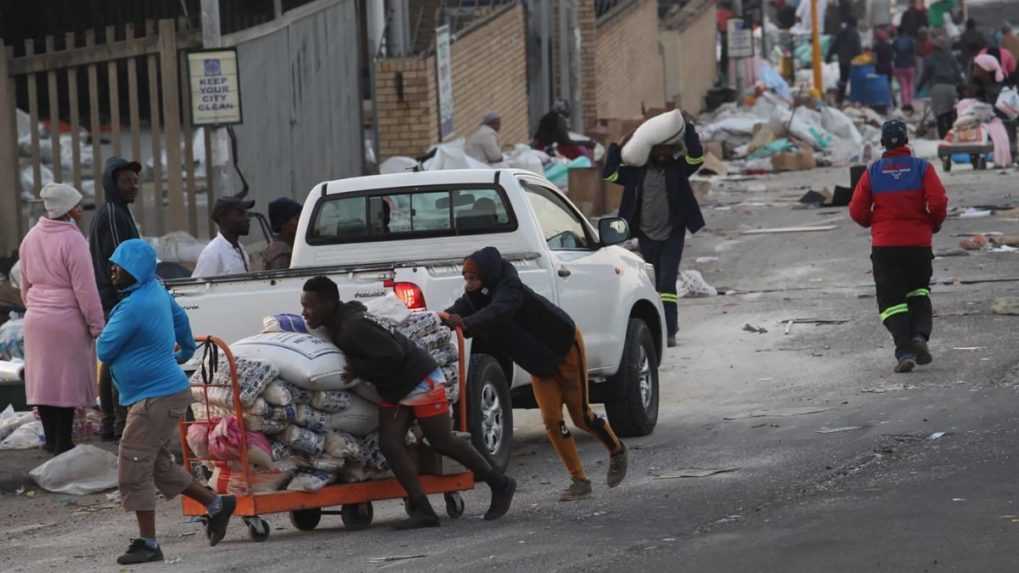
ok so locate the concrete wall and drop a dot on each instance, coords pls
(628, 62)
(689, 58)
(489, 74)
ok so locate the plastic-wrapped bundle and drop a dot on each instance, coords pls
(419, 324)
(452, 374)
(312, 419)
(310, 480)
(299, 395)
(322, 463)
(277, 393)
(252, 378)
(371, 453)
(331, 400)
(282, 413)
(448, 354)
(305, 441)
(268, 427)
(435, 341)
(342, 445)
(280, 451)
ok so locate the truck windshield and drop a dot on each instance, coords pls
(395, 215)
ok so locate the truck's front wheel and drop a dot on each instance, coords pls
(490, 416)
(634, 410)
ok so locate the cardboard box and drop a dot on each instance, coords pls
(801, 160)
(585, 189)
(715, 148)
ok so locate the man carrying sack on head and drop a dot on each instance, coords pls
(654, 169)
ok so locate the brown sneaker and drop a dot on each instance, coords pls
(579, 489)
(617, 467)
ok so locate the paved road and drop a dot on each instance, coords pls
(875, 494)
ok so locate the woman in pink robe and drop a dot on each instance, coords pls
(64, 316)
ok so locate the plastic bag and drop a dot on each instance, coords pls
(25, 437)
(310, 480)
(691, 284)
(284, 323)
(311, 418)
(1008, 102)
(12, 339)
(342, 445)
(225, 444)
(252, 377)
(11, 420)
(389, 307)
(303, 360)
(305, 441)
(300, 395)
(198, 438)
(331, 401)
(228, 477)
(277, 393)
(82, 470)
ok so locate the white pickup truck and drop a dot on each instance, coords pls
(409, 233)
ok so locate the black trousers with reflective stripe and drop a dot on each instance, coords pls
(902, 276)
(665, 256)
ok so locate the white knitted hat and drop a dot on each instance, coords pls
(59, 198)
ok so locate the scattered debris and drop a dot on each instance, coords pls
(973, 213)
(816, 198)
(392, 558)
(958, 499)
(691, 284)
(1004, 249)
(840, 429)
(789, 326)
(705, 260)
(937, 436)
(173, 561)
(694, 473)
(974, 243)
(951, 253)
(777, 413)
(754, 328)
(817, 321)
(780, 230)
(968, 347)
(1007, 305)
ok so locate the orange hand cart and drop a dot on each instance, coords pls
(307, 508)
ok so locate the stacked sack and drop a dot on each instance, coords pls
(320, 428)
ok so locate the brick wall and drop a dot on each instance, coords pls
(588, 58)
(628, 62)
(489, 74)
(408, 124)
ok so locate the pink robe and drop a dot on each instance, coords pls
(64, 316)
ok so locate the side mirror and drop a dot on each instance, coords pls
(613, 230)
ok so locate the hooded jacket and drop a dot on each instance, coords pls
(382, 356)
(901, 199)
(112, 225)
(532, 331)
(684, 211)
(139, 338)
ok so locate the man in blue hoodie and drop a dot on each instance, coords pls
(138, 347)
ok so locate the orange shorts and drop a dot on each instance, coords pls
(427, 399)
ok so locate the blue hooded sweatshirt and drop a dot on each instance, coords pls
(138, 341)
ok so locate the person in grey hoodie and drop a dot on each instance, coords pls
(112, 225)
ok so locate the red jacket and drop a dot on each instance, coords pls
(901, 199)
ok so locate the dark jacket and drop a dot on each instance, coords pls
(532, 331)
(905, 52)
(941, 67)
(912, 21)
(884, 56)
(386, 358)
(685, 212)
(846, 46)
(112, 225)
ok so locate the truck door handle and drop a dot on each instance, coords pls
(564, 272)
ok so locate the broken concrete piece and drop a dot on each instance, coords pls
(1007, 305)
(754, 328)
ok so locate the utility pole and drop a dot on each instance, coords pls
(815, 37)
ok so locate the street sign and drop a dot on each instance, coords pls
(444, 74)
(215, 87)
(741, 39)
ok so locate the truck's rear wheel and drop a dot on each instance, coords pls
(634, 410)
(490, 412)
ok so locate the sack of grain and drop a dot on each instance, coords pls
(662, 129)
(302, 359)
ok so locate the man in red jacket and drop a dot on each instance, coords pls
(902, 200)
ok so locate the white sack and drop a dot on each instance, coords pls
(389, 307)
(25, 437)
(302, 359)
(661, 129)
(81, 470)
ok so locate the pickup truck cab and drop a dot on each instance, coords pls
(408, 234)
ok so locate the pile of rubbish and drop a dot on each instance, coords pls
(307, 425)
(452, 155)
(775, 135)
(48, 158)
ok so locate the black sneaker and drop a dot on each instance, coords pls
(215, 528)
(671, 342)
(923, 353)
(140, 552)
(906, 364)
(422, 515)
(502, 498)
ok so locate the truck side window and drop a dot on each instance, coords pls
(562, 227)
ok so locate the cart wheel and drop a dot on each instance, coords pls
(947, 164)
(357, 515)
(306, 519)
(454, 504)
(258, 528)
